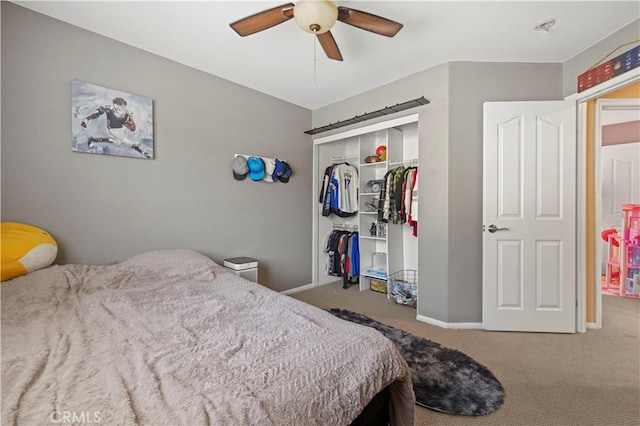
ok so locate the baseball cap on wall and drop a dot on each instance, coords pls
(278, 170)
(256, 168)
(240, 168)
(269, 166)
(284, 177)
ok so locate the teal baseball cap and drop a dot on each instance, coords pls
(256, 168)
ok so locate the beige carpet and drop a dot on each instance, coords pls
(549, 379)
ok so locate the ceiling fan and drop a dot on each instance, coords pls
(317, 17)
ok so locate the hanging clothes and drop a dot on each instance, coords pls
(411, 177)
(390, 202)
(339, 192)
(342, 256)
(396, 194)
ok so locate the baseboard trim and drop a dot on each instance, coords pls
(297, 289)
(450, 325)
(592, 325)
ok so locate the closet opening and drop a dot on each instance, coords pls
(365, 210)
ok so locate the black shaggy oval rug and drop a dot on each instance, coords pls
(443, 379)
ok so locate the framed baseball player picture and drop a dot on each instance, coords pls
(111, 122)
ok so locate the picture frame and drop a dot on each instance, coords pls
(111, 122)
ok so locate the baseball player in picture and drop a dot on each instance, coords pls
(120, 125)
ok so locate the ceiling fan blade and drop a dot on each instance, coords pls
(367, 21)
(263, 20)
(329, 45)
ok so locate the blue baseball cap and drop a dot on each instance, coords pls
(284, 177)
(278, 170)
(256, 168)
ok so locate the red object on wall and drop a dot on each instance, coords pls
(594, 76)
(607, 70)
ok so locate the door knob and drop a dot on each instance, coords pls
(492, 228)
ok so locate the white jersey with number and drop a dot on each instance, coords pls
(349, 182)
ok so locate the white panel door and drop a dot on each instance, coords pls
(620, 181)
(529, 208)
(620, 184)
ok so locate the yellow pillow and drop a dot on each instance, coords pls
(25, 248)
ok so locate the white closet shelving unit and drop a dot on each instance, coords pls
(400, 137)
(388, 242)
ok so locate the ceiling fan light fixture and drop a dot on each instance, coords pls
(315, 16)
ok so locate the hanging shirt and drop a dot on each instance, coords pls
(384, 204)
(347, 178)
(339, 193)
(396, 195)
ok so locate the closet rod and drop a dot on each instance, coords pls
(345, 227)
(412, 161)
(349, 157)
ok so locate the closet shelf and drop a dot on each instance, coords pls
(410, 162)
(375, 277)
(343, 158)
(364, 237)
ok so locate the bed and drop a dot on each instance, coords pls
(171, 337)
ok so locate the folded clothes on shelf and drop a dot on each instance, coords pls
(376, 273)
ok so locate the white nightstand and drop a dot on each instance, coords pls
(245, 267)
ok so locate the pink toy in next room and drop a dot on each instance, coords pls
(631, 222)
(629, 247)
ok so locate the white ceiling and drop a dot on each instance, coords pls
(283, 62)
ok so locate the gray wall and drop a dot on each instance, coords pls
(608, 48)
(102, 209)
(472, 84)
(450, 178)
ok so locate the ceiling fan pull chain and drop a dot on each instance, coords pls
(315, 65)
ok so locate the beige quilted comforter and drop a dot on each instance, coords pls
(171, 338)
